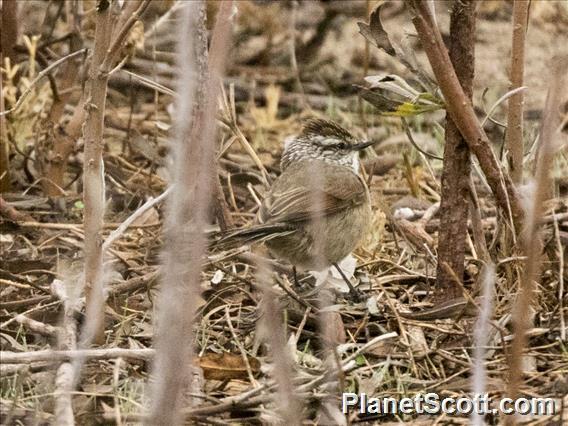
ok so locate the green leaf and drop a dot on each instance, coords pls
(408, 109)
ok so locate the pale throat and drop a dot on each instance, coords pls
(355, 162)
(351, 161)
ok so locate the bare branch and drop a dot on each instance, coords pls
(272, 330)
(514, 136)
(481, 336)
(128, 18)
(461, 111)
(40, 75)
(93, 179)
(531, 237)
(114, 235)
(67, 355)
(187, 213)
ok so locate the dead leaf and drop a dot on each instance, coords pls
(140, 144)
(149, 217)
(375, 33)
(227, 366)
(414, 234)
(334, 328)
(136, 36)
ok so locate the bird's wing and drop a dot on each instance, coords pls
(311, 189)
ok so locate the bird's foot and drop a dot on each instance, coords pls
(356, 295)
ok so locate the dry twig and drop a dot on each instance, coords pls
(461, 111)
(514, 135)
(105, 52)
(532, 236)
(187, 213)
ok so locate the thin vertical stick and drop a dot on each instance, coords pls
(514, 136)
(531, 237)
(66, 375)
(187, 213)
(173, 339)
(561, 270)
(480, 337)
(273, 331)
(93, 177)
(293, 59)
(105, 53)
(10, 29)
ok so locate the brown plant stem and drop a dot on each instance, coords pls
(205, 64)
(461, 110)
(64, 141)
(64, 137)
(532, 235)
(514, 135)
(222, 212)
(456, 169)
(93, 176)
(4, 148)
(105, 54)
(9, 21)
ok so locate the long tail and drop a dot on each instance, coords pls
(251, 234)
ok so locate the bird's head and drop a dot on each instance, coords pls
(326, 141)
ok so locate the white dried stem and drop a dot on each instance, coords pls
(67, 373)
(67, 355)
(272, 330)
(187, 210)
(481, 336)
(531, 237)
(63, 400)
(36, 326)
(114, 235)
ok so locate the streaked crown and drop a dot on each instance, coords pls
(322, 140)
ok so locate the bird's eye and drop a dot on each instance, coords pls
(341, 145)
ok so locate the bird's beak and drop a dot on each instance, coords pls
(362, 145)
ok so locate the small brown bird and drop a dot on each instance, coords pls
(318, 209)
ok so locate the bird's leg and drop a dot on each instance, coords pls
(356, 294)
(295, 274)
